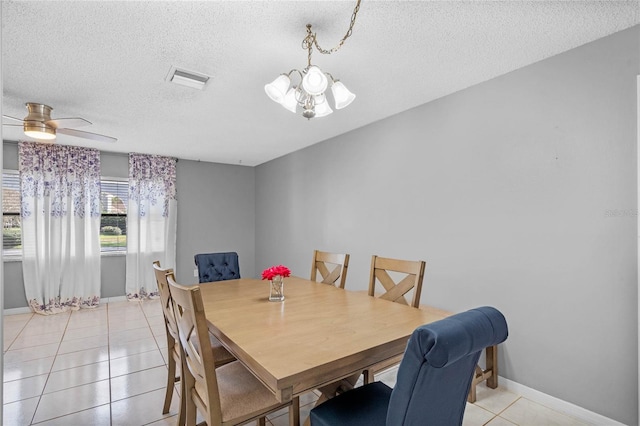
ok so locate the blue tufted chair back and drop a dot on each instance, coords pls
(435, 373)
(217, 266)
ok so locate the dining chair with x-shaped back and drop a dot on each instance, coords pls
(226, 395)
(398, 278)
(222, 356)
(411, 274)
(331, 267)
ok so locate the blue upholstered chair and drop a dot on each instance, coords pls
(433, 378)
(217, 266)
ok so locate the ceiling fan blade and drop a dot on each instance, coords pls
(12, 125)
(86, 135)
(68, 122)
(12, 118)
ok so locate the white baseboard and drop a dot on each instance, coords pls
(113, 299)
(557, 404)
(27, 310)
(17, 311)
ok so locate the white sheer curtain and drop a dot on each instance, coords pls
(60, 212)
(151, 222)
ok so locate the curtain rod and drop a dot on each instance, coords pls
(124, 154)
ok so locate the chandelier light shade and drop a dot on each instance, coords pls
(322, 108)
(314, 81)
(309, 92)
(277, 89)
(341, 95)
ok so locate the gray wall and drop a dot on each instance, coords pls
(216, 212)
(509, 191)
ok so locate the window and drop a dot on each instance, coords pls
(11, 229)
(114, 198)
(113, 221)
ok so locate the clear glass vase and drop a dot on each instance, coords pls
(276, 286)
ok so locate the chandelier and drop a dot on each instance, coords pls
(310, 90)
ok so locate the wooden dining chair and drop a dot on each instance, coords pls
(331, 266)
(408, 276)
(412, 275)
(173, 341)
(226, 395)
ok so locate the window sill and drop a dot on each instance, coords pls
(18, 258)
(113, 253)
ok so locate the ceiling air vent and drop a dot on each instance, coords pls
(192, 79)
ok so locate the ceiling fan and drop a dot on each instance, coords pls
(38, 124)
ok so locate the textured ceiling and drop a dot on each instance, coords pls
(107, 62)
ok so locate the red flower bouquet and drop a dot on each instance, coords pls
(281, 270)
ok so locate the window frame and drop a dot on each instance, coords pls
(16, 254)
(116, 251)
(11, 254)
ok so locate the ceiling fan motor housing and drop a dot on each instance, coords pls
(38, 112)
(35, 123)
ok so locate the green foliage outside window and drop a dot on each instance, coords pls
(113, 222)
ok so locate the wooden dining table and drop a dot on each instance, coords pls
(318, 335)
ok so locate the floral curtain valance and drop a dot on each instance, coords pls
(66, 174)
(152, 178)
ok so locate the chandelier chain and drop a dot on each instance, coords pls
(307, 43)
(311, 39)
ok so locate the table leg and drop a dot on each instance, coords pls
(294, 412)
(333, 389)
(368, 376)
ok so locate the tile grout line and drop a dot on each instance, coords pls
(51, 372)
(148, 326)
(18, 334)
(490, 420)
(157, 347)
(109, 355)
(57, 355)
(507, 407)
(109, 359)
(60, 390)
(50, 368)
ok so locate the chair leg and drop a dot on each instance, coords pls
(262, 421)
(182, 413)
(191, 411)
(477, 377)
(489, 374)
(472, 392)
(492, 365)
(171, 380)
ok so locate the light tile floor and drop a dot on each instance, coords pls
(106, 366)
